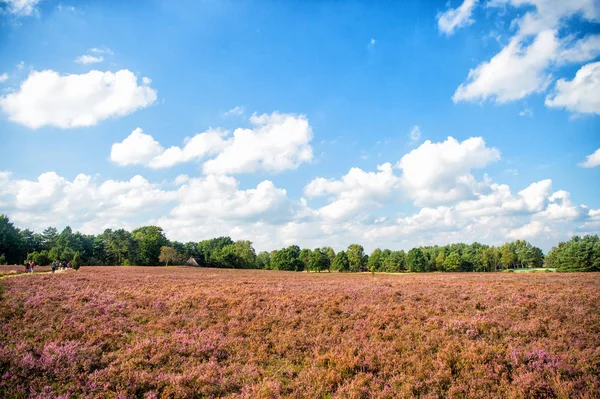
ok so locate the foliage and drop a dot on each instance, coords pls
(341, 263)
(356, 255)
(168, 254)
(76, 262)
(577, 255)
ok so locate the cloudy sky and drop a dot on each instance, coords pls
(390, 124)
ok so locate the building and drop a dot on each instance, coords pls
(194, 261)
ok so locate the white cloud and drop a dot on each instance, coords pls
(531, 229)
(237, 110)
(435, 173)
(20, 7)
(591, 161)
(372, 43)
(415, 133)
(51, 198)
(356, 190)
(513, 73)
(48, 99)
(580, 94)
(141, 149)
(209, 206)
(21, 65)
(455, 18)
(277, 142)
(536, 49)
(3, 77)
(581, 50)
(88, 59)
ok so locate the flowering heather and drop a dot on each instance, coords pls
(110, 332)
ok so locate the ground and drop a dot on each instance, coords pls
(202, 333)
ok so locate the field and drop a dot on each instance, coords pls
(144, 332)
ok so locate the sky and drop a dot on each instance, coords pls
(389, 124)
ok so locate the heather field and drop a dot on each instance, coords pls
(142, 332)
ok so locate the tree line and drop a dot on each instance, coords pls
(148, 245)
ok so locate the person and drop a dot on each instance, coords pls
(64, 265)
(69, 265)
(31, 265)
(53, 266)
(27, 267)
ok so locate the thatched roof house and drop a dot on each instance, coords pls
(194, 261)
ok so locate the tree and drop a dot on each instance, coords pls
(330, 256)
(150, 239)
(2, 259)
(341, 262)
(49, 238)
(439, 261)
(355, 253)
(395, 262)
(318, 260)
(415, 260)
(263, 260)
(507, 256)
(305, 258)
(10, 241)
(287, 259)
(206, 248)
(375, 260)
(76, 262)
(452, 262)
(168, 254)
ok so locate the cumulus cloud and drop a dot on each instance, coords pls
(277, 142)
(537, 47)
(142, 149)
(435, 173)
(3, 77)
(455, 18)
(356, 190)
(591, 161)
(195, 208)
(88, 59)
(19, 7)
(581, 93)
(515, 72)
(42, 202)
(47, 98)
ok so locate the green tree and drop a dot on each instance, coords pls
(395, 262)
(330, 256)
(318, 260)
(376, 260)
(341, 262)
(150, 239)
(49, 238)
(263, 260)
(287, 259)
(415, 260)
(355, 253)
(76, 262)
(10, 241)
(439, 261)
(507, 256)
(453, 262)
(2, 259)
(305, 258)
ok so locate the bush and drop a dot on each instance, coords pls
(76, 262)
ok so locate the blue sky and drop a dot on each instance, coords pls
(390, 124)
